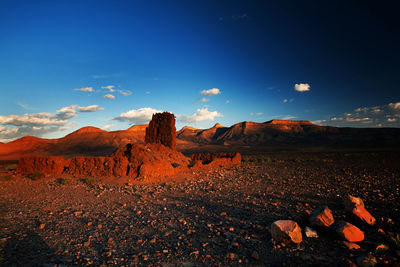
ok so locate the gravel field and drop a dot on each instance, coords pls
(220, 217)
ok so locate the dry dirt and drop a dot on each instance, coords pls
(220, 217)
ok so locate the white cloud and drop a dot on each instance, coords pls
(109, 96)
(394, 105)
(38, 124)
(85, 89)
(92, 108)
(200, 115)
(227, 101)
(384, 115)
(36, 119)
(67, 112)
(147, 92)
(138, 116)
(110, 88)
(125, 93)
(8, 134)
(107, 126)
(302, 87)
(288, 117)
(213, 91)
(259, 113)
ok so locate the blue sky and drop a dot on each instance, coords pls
(111, 64)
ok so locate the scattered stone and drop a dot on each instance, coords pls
(255, 255)
(311, 232)
(360, 213)
(366, 260)
(355, 208)
(381, 247)
(350, 201)
(231, 256)
(351, 246)
(348, 232)
(321, 217)
(286, 232)
(344, 262)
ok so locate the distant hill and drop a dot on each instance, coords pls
(92, 141)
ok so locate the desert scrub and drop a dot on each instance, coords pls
(11, 167)
(6, 178)
(89, 181)
(64, 181)
(35, 176)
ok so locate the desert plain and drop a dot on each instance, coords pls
(217, 216)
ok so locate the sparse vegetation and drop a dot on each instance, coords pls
(35, 176)
(5, 178)
(64, 181)
(395, 238)
(11, 167)
(89, 181)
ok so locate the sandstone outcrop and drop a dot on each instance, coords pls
(216, 159)
(161, 130)
(46, 165)
(158, 158)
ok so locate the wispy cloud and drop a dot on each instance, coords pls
(212, 91)
(107, 127)
(105, 76)
(125, 93)
(287, 100)
(109, 96)
(109, 88)
(376, 116)
(227, 101)
(137, 116)
(200, 115)
(302, 87)
(92, 108)
(84, 89)
(24, 106)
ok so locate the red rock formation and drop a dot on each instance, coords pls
(161, 130)
(45, 165)
(158, 158)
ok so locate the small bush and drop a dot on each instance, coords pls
(64, 181)
(35, 176)
(11, 167)
(6, 178)
(89, 181)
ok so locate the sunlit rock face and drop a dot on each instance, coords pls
(161, 130)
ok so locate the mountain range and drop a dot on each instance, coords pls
(92, 141)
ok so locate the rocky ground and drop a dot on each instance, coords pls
(219, 217)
